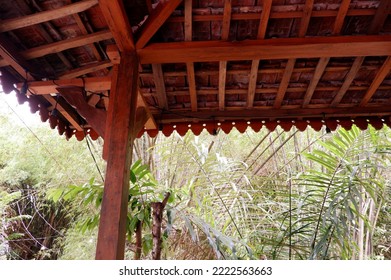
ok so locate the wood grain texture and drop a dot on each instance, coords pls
(119, 141)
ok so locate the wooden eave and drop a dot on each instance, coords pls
(202, 64)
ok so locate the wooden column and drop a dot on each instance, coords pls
(119, 140)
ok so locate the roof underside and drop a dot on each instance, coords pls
(204, 63)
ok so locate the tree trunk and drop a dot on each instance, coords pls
(157, 217)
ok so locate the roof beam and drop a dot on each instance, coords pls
(16, 23)
(93, 67)
(305, 20)
(190, 66)
(380, 18)
(95, 84)
(160, 86)
(340, 19)
(223, 64)
(266, 9)
(155, 20)
(284, 48)
(383, 72)
(284, 83)
(315, 80)
(188, 20)
(282, 113)
(226, 20)
(222, 80)
(192, 86)
(348, 80)
(62, 45)
(117, 20)
(252, 83)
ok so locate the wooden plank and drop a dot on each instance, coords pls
(305, 20)
(285, 112)
(222, 79)
(284, 83)
(266, 9)
(284, 48)
(348, 80)
(160, 86)
(188, 20)
(192, 86)
(223, 64)
(252, 83)
(225, 26)
(90, 68)
(380, 17)
(380, 76)
(66, 44)
(61, 46)
(122, 111)
(16, 23)
(315, 80)
(64, 112)
(117, 20)
(155, 20)
(340, 19)
(75, 96)
(94, 84)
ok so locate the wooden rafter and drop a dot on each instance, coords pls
(340, 19)
(95, 84)
(36, 18)
(116, 18)
(155, 20)
(192, 85)
(190, 66)
(315, 80)
(284, 83)
(381, 15)
(93, 67)
(225, 26)
(266, 9)
(62, 45)
(222, 80)
(188, 20)
(383, 72)
(348, 80)
(284, 48)
(160, 86)
(305, 20)
(252, 83)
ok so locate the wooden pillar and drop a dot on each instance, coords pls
(119, 138)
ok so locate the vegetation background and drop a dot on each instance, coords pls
(274, 195)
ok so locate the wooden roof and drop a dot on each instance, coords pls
(204, 64)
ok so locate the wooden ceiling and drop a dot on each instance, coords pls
(204, 64)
